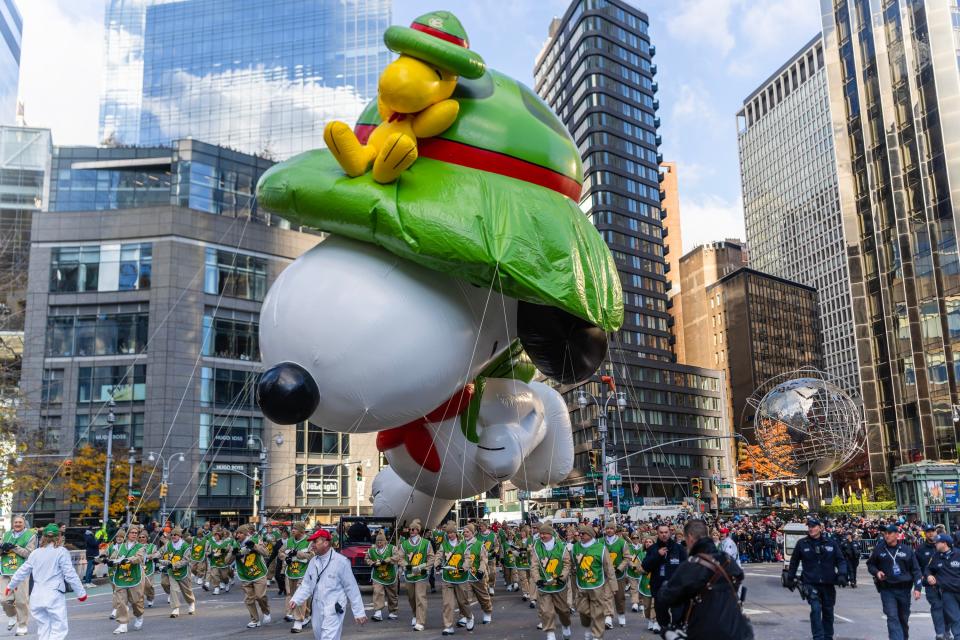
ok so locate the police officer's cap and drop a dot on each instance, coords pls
(944, 538)
(929, 527)
(891, 528)
(813, 522)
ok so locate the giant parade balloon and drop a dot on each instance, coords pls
(458, 264)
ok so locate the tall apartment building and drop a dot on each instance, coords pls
(672, 251)
(596, 71)
(791, 200)
(11, 28)
(146, 280)
(894, 91)
(259, 77)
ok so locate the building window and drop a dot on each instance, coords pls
(97, 335)
(235, 275)
(314, 440)
(229, 432)
(231, 481)
(51, 391)
(234, 339)
(121, 383)
(108, 267)
(228, 388)
(92, 430)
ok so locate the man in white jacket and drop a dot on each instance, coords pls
(728, 546)
(51, 567)
(330, 582)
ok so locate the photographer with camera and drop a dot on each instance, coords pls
(824, 567)
(706, 586)
(895, 572)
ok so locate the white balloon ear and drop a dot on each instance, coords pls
(552, 460)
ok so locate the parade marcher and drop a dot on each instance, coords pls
(508, 558)
(824, 567)
(452, 560)
(384, 558)
(220, 549)
(491, 542)
(943, 573)
(663, 558)
(329, 582)
(551, 566)
(279, 570)
(571, 537)
(127, 561)
(521, 563)
(620, 557)
(926, 552)
(269, 539)
(896, 573)
(50, 567)
(251, 563)
(198, 558)
(593, 568)
(118, 538)
(706, 587)
(639, 579)
(851, 552)
(174, 565)
(418, 558)
(149, 555)
(15, 549)
(296, 557)
(477, 578)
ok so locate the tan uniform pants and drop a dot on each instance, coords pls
(388, 593)
(17, 604)
(300, 612)
(132, 596)
(523, 577)
(199, 569)
(591, 606)
(454, 595)
(481, 595)
(217, 576)
(254, 595)
(637, 598)
(148, 590)
(417, 596)
(551, 606)
(508, 575)
(177, 589)
(617, 600)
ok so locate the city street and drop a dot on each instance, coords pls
(776, 613)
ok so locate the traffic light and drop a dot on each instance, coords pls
(130, 499)
(67, 468)
(213, 480)
(593, 461)
(742, 452)
(163, 489)
(256, 486)
(359, 473)
(696, 486)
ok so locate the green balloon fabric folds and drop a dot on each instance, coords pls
(527, 241)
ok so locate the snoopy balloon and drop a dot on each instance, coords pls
(450, 276)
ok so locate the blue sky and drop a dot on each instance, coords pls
(710, 55)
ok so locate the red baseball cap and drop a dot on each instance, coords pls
(320, 533)
(724, 530)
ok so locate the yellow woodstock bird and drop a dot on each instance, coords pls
(413, 97)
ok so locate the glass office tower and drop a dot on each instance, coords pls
(894, 89)
(259, 77)
(11, 28)
(791, 202)
(596, 72)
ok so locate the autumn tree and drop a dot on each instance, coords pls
(82, 484)
(773, 460)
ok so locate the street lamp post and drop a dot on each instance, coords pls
(252, 440)
(131, 460)
(584, 399)
(165, 467)
(111, 420)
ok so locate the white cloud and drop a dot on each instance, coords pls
(61, 67)
(705, 22)
(707, 218)
(694, 103)
(765, 25)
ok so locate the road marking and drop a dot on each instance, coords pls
(762, 575)
(754, 612)
(842, 618)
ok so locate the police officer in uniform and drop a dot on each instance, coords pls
(926, 552)
(895, 571)
(661, 562)
(943, 573)
(824, 567)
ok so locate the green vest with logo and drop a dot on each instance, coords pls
(453, 557)
(488, 540)
(522, 556)
(551, 565)
(296, 569)
(413, 556)
(589, 565)
(385, 573)
(252, 566)
(509, 553)
(220, 551)
(634, 570)
(126, 574)
(10, 561)
(476, 548)
(148, 566)
(198, 548)
(616, 550)
(176, 555)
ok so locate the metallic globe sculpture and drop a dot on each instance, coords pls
(807, 423)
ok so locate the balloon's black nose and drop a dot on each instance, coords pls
(287, 394)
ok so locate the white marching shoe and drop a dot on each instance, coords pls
(462, 622)
(551, 635)
(113, 616)
(471, 624)
(392, 616)
(377, 616)
(175, 613)
(622, 620)
(138, 623)
(121, 629)
(413, 622)
(12, 622)
(587, 635)
(252, 625)
(21, 631)
(265, 619)
(566, 631)
(192, 609)
(490, 590)
(634, 607)
(654, 626)
(149, 604)
(608, 622)
(297, 627)
(486, 618)
(418, 627)
(216, 591)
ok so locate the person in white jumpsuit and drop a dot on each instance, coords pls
(51, 567)
(329, 581)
